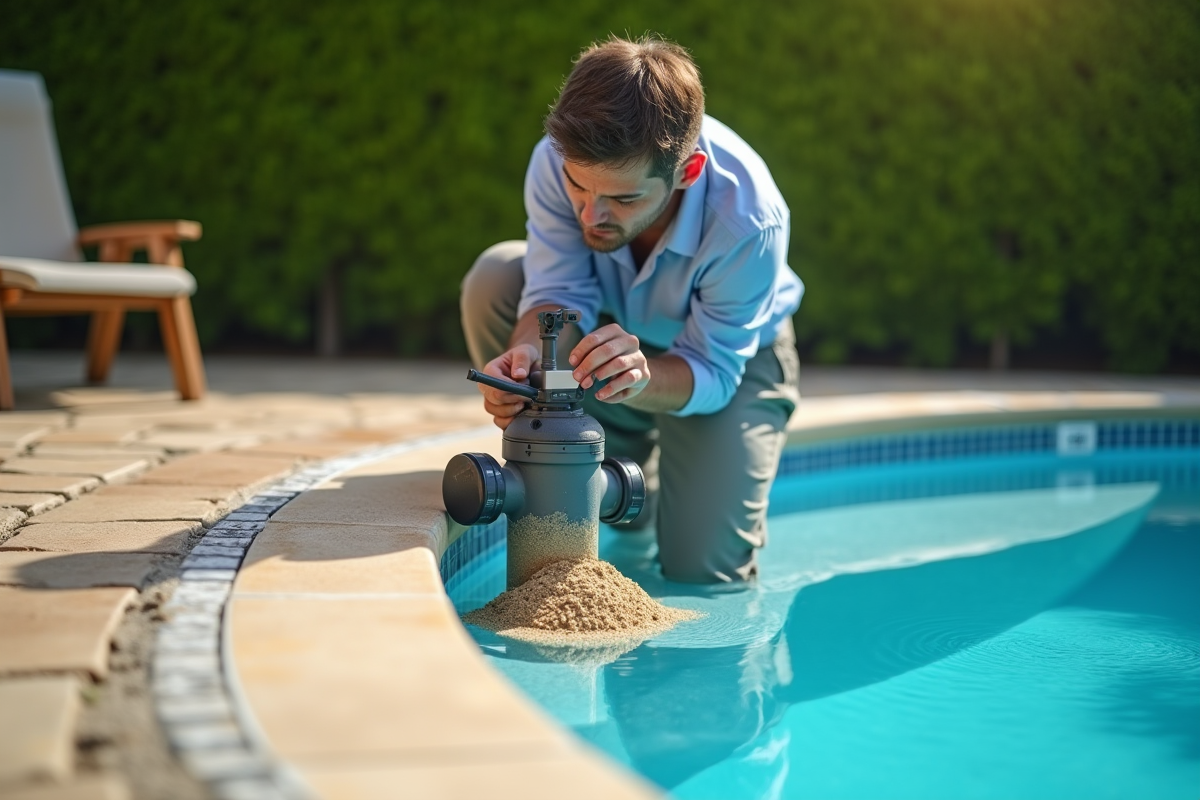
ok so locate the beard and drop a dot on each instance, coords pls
(619, 236)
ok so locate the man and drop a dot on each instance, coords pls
(666, 230)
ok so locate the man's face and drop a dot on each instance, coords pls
(614, 205)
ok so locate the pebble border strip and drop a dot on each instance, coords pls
(193, 684)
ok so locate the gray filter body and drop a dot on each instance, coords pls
(558, 454)
(556, 486)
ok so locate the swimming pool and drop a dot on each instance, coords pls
(1001, 612)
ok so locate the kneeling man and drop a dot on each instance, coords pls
(667, 231)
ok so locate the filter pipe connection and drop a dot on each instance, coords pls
(477, 490)
(625, 492)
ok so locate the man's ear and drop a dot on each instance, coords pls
(692, 169)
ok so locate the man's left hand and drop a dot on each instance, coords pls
(610, 353)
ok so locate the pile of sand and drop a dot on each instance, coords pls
(578, 602)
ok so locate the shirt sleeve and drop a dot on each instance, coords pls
(558, 265)
(730, 305)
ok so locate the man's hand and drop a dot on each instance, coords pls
(514, 365)
(611, 354)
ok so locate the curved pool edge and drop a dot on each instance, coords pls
(350, 665)
(353, 670)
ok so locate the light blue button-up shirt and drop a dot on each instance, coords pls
(716, 287)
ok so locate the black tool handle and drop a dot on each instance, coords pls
(499, 383)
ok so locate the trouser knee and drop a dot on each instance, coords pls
(491, 293)
(716, 473)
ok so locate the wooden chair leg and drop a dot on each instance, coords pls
(183, 346)
(104, 337)
(6, 388)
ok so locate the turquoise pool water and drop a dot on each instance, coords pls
(981, 627)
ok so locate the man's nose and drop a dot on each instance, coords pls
(593, 213)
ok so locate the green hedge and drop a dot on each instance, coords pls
(957, 169)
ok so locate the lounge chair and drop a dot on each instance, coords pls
(42, 270)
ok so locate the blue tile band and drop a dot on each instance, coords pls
(999, 440)
(915, 447)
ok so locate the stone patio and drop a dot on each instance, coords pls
(104, 492)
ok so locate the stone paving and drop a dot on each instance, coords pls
(103, 492)
(109, 495)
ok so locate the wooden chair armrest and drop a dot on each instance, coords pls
(181, 229)
(159, 238)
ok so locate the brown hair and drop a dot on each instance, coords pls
(629, 101)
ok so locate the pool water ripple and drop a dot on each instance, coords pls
(1096, 645)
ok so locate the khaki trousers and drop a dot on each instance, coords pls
(710, 474)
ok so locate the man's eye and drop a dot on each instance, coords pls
(626, 202)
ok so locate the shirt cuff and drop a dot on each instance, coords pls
(707, 392)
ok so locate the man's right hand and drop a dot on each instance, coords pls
(515, 366)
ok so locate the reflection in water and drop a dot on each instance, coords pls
(680, 709)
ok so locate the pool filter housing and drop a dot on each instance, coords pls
(555, 485)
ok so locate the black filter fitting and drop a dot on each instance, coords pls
(626, 492)
(473, 488)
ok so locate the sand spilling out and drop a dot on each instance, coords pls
(536, 541)
(584, 605)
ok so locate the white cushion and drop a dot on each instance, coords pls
(139, 280)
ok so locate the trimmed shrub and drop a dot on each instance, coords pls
(957, 169)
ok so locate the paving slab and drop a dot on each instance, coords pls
(105, 537)
(75, 451)
(100, 436)
(59, 631)
(220, 469)
(363, 437)
(102, 507)
(396, 413)
(157, 419)
(18, 436)
(279, 403)
(92, 787)
(220, 411)
(466, 409)
(497, 776)
(108, 470)
(37, 728)
(70, 486)
(149, 403)
(29, 502)
(221, 495)
(107, 423)
(423, 427)
(306, 449)
(84, 398)
(48, 419)
(374, 694)
(282, 428)
(340, 559)
(200, 441)
(46, 570)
